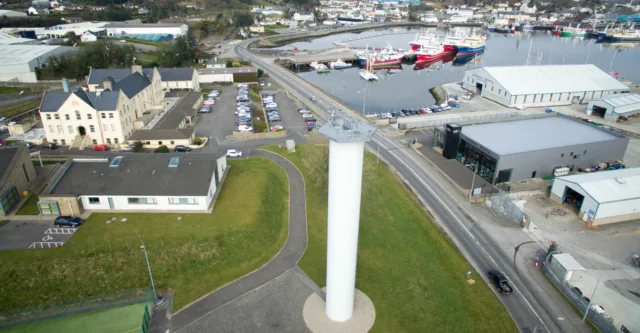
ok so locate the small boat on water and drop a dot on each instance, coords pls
(619, 35)
(386, 56)
(502, 30)
(450, 43)
(430, 53)
(339, 64)
(322, 68)
(557, 32)
(471, 45)
(491, 28)
(422, 40)
(528, 27)
(367, 72)
(574, 32)
(473, 58)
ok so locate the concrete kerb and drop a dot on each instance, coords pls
(257, 269)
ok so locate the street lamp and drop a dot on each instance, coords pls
(153, 285)
(473, 180)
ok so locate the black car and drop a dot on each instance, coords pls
(49, 145)
(181, 148)
(68, 221)
(29, 145)
(501, 282)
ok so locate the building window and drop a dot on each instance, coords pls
(63, 142)
(57, 116)
(89, 116)
(584, 152)
(172, 142)
(49, 208)
(499, 91)
(66, 117)
(142, 201)
(113, 127)
(159, 143)
(52, 128)
(183, 201)
(492, 88)
(108, 140)
(60, 129)
(105, 127)
(78, 115)
(70, 129)
(92, 129)
(95, 142)
(55, 140)
(562, 155)
(103, 115)
(571, 154)
(48, 117)
(110, 115)
(94, 200)
(115, 140)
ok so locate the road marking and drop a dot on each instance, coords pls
(59, 231)
(45, 245)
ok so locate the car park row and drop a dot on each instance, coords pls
(451, 102)
(207, 105)
(271, 109)
(244, 120)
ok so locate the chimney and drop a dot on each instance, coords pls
(106, 84)
(65, 85)
(136, 68)
(98, 93)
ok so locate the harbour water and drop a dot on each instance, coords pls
(407, 87)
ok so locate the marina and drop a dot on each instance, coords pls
(405, 85)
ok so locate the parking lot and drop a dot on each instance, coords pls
(18, 235)
(288, 111)
(221, 121)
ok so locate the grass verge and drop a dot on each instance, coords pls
(13, 90)
(136, 41)
(15, 109)
(412, 272)
(126, 319)
(190, 256)
(30, 207)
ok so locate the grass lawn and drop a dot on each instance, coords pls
(406, 265)
(147, 58)
(30, 207)
(136, 41)
(15, 109)
(189, 257)
(126, 319)
(13, 90)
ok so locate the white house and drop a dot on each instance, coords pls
(604, 196)
(304, 16)
(529, 8)
(139, 182)
(88, 37)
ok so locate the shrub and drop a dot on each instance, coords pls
(197, 141)
(137, 146)
(162, 149)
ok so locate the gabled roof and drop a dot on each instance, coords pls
(608, 186)
(132, 84)
(8, 157)
(176, 74)
(105, 101)
(97, 76)
(53, 100)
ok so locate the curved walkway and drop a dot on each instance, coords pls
(287, 258)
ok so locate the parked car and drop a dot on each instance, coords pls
(307, 115)
(234, 153)
(29, 145)
(181, 148)
(49, 145)
(271, 105)
(209, 102)
(204, 110)
(100, 147)
(520, 107)
(3, 143)
(127, 148)
(275, 128)
(242, 85)
(576, 290)
(68, 221)
(466, 96)
(501, 282)
(245, 128)
(275, 119)
(303, 111)
(242, 100)
(310, 122)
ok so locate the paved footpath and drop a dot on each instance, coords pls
(287, 258)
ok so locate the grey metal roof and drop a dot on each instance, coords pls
(53, 100)
(176, 74)
(104, 101)
(184, 108)
(205, 71)
(132, 84)
(162, 134)
(514, 137)
(622, 104)
(553, 79)
(146, 25)
(139, 175)
(97, 76)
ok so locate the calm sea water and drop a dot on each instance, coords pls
(408, 86)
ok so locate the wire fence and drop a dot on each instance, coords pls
(506, 209)
(466, 119)
(602, 322)
(77, 306)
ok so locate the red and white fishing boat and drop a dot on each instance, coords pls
(423, 40)
(451, 42)
(386, 56)
(430, 53)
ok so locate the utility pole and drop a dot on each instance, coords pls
(586, 312)
(146, 256)
(473, 180)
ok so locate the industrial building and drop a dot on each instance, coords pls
(532, 86)
(152, 31)
(12, 13)
(140, 182)
(601, 197)
(522, 149)
(236, 74)
(614, 107)
(18, 63)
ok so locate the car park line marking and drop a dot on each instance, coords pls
(45, 245)
(60, 231)
(47, 238)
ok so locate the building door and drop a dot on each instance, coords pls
(533, 174)
(82, 131)
(479, 88)
(504, 176)
(110, 203)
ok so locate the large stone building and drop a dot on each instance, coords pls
(16, 173)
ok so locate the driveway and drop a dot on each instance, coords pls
(19, 235)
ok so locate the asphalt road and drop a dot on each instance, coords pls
(529, 306)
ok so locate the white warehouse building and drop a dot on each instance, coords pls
(533, 86)
(606, 196)
(18, 63)
(151, 31)
(611, 108)
(139, 182)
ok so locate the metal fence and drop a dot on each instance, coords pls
(505, 208)
(466, 119)
(603, 323)
(76, 306)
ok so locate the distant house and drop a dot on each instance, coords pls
(529, 8)
(304, 16)
(215, 63)
(41, 3)
(36, 10)
(88, 37)
(256, 29)
(143, 11)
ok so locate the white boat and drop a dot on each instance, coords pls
(339, 64)
(315, 65)
(367, 72)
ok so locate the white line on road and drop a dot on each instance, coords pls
(58, 231)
